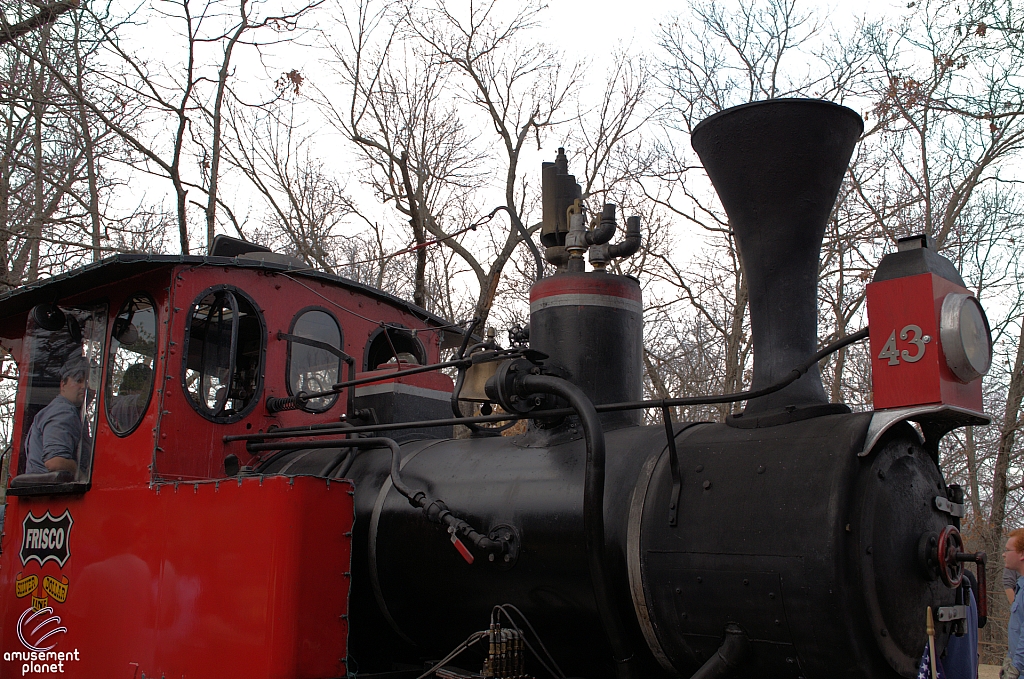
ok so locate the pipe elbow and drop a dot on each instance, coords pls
(630, 243)
(605, 229)
(727, 659)
(556, 255)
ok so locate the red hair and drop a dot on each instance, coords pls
(1017, 540)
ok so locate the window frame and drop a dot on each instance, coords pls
(75, 486)
(340, 354)
(421, 353)
(186, 340)
(156, 351)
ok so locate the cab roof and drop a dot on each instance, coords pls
(121, 266)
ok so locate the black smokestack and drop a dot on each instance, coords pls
(777, 166)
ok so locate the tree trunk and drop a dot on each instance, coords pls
(1007, 436)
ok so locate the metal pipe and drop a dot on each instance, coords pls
(556, 255)
(593, 512)
(728, 657)
(630, 243)
(330, 429)
(434, 509)
(605, 228)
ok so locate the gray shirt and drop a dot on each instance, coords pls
(55, 432)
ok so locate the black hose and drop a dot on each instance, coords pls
(728, 657)
(434, 509)
(333, 428)
(593, 512)
(336, 460)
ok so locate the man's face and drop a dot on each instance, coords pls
(1011, 558)
(73, 389)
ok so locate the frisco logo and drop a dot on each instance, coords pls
(45, 538)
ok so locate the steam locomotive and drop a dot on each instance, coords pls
(267, 483)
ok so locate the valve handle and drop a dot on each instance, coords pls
(950, 546)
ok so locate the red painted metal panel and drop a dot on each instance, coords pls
(191, 447)
(908, 366)
(217, 579)
(583, 284)
(435, 381)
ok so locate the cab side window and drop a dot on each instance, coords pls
(8, 393)
(223, 354)
(61, 405)
(314, 357)
(132, 352)
(395, 345)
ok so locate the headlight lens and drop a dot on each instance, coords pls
(966, 337)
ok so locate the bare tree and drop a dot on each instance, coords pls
(417, 151)
(53, 150)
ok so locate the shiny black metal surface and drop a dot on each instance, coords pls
(777, 166)
(812, 551)
(599, 342)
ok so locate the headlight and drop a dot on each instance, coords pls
(966, 337)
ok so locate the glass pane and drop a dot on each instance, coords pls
(224, 355)
(313, 369)
(65, 370)
(130, 367)
(8, 394)
(208, 376)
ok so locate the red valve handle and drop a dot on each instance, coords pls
(951, 545)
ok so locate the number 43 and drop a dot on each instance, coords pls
(917, 338)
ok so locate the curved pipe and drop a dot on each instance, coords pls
(556, 255)
(593, 512)
(728, 657)
(434, 509)
(630, 243)
(605, 228)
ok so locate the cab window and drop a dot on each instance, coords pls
(223, 354)
(8, 394)
(129, 385)
(395, 345)
(65, 345)
(314, 357)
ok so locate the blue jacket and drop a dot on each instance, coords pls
(1015, 648)
(961, 660)
(55, 432)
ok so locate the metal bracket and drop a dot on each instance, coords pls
(935, 421)
(948, 613)
(673, 460)
(952, 508)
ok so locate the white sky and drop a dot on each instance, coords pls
(585, 30)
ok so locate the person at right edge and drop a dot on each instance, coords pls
(1013, 558)
(960, 659)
